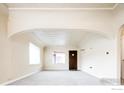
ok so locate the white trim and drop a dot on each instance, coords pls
(115, 6)
(30, 8)
(109, 81)
(19, 78)
(55, 69)
(5, 5)
(61, 8)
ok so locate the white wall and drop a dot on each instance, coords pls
(20, 56)
(14, 58)
(103, 65)
(95, 20)
(48, 64)
(14, 52)
(4, 49)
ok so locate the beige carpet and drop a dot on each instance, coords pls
(59, 78)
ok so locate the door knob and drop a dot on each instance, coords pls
(72, 54)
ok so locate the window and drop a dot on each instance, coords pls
(34, 54)
(59, 58)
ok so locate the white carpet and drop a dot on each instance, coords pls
(59, 78)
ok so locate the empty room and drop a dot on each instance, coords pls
(61, 44)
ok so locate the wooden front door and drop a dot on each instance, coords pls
(72, 60)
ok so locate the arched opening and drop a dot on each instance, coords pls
(121, 46)
(68, 38)
(103, 34)
(95, 51)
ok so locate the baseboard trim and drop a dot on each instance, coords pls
(55, 69)
(11, 81)
(110, 81)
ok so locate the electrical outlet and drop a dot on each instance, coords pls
(90, 67)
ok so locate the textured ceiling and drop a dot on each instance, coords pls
(56, 37)
(60, 38)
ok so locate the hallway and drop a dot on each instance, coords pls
(59, 78)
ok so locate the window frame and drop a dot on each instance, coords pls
(55, 57)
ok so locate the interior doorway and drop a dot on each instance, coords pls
(121, 49)
(122, 57)
(73, 60)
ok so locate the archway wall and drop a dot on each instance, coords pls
(117, 28)
(96, 20)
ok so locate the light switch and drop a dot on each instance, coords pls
(107, 53)
(91, 67)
